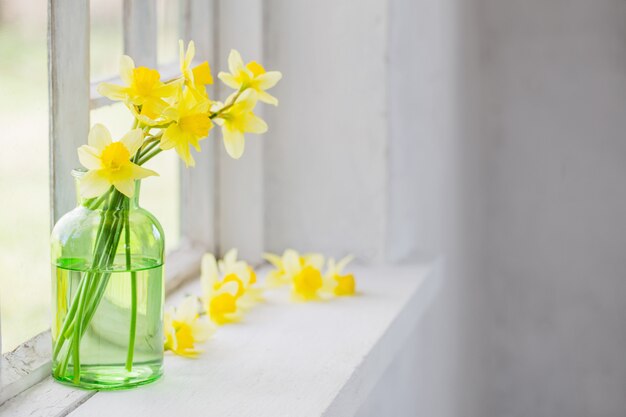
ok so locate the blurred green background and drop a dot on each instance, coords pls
(24, 169)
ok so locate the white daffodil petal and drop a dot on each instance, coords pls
(133, 140)
(343, 263)
(291, 261)
(209, 274)
(233, 142)
(202, 330)
(138, 172)
(188, 310)
(191, 52)
(112, 91)
(127, 65)
(230, 287)
(273, 259)
(235, 63)
(99, 137)
(254, 124)
(126, 187)
(93, 184)
(231, 256)
(228, 79)
(265, 97)
(89, 157)
(268, 80)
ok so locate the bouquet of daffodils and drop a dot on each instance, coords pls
(168, 114)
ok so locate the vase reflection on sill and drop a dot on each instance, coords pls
(107, 272)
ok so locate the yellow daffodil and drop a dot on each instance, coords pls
(290, 264)
(238, 119)
(143, 88)
(220, 296)
(184, 328)
(251, 75)
(340, 284)
(109, 163)
(303, 272)
(229, 266)
(190, 123)
(307, 282)
(198, 77)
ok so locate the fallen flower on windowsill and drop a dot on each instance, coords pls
(184, 327)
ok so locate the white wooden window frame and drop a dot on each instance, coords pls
(213, 216)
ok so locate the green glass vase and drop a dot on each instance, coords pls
(107, 280)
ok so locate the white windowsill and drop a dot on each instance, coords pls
(284, 359)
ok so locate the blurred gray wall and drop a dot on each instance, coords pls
(551, 315)
(532, 319)
(499, 129)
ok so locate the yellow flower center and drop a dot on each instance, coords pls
(196, 124)
(144, 80)
(202, 74)
(115, 156)
(345, 284)
(184, 335)
(256, 68)
(221, 305)
(229, 278)
(307, 282)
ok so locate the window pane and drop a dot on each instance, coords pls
(106, 41)
(159, 195)
(24, 212)
(168, 23)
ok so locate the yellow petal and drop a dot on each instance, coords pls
(247, 100)
(169, 90)
(191, 52)
(209, 273)
(265, 97)
(112, 91)
(202, 330)
(202, 74)
(255, 124)
(126, 187)
(133, 140)
(343, 263)
(235, 63)
(89, 157)
(228, 79)
(182, 149)
(314, 259)
(231, 256)
(273, 259)
(138, 172)
(187, 312)
(99, 137)
(233, 142)
(126, 69)
(181, 55)
(291, 261)
(170, 137)
(93, 184)
(268, 80)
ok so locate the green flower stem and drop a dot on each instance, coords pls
(227, 106)
(133, 289)
(146, 150)
(91, 289)
(149, 156)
